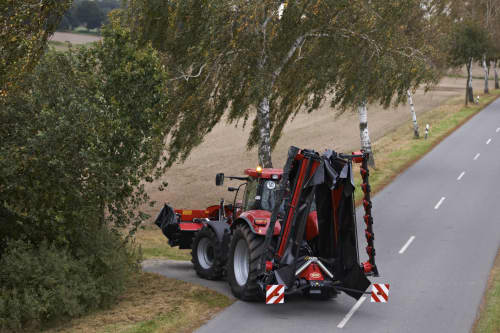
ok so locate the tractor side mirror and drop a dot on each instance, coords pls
(219, 179)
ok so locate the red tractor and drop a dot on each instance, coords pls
(294, 227)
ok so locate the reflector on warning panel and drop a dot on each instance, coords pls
(380, 293)
(275, 294)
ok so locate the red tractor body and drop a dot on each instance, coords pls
(294, 227)
(189, 221)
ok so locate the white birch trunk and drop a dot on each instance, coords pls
(416, 135)
(264, 133)
(497, 86)
(366, 144)
(263, 110)
(486, 75)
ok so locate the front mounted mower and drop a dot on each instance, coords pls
(295, 228)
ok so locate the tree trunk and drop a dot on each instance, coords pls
(264, 151)
(469, 94)
(366, 144)
(416, 135)
(486, 75)
(497, 86)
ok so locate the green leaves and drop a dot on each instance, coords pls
(468, 42)
(80, 135)
(26, 27)
(226, 57)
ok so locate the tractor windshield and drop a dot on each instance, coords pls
(260, 194)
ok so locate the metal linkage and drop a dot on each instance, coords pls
(369, 266)
(310, 260)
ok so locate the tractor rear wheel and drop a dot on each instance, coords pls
(207, 255)
(245, 250)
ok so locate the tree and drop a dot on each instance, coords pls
(26, 27)
(89, 13)
(78, 138)
(468, 43)
(487, 13)
(273, 58)
(416, 134)
(435, 30)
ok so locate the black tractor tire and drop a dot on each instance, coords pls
(208, 255)
(245, 289)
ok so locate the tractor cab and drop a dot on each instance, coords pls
(258, 192)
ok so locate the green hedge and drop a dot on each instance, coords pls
(42, 283)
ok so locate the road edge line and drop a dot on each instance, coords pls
(351, 312)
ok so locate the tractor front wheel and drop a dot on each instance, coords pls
(242, 267)
(207, 254)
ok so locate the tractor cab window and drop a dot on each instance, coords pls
(251, 194)
(260, 194)
(268, 196)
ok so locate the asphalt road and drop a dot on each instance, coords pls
(437, 231)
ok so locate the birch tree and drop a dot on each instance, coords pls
(485, 14)
(489, 15)
(266, 61)
(416, 134)
(468, 43)
(486, 69)
(366, 144)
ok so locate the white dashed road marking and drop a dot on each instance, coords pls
(498, 129)
(403, 249)
(488, 142)
(439, 203)
(351, 312)
(461, 175)
(477, 156)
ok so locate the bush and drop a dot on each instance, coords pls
(80, 136)
(40, 284)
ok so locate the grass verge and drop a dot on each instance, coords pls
(488, 320)
(154, 245)
(151, 304)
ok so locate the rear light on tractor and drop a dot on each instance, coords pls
(357, 157)
(258, 169)
(269, 266)
(367, 267)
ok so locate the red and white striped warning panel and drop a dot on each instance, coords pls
(275, 294)
(380, 293)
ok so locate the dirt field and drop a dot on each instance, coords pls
(192, 184)
(74, 38)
